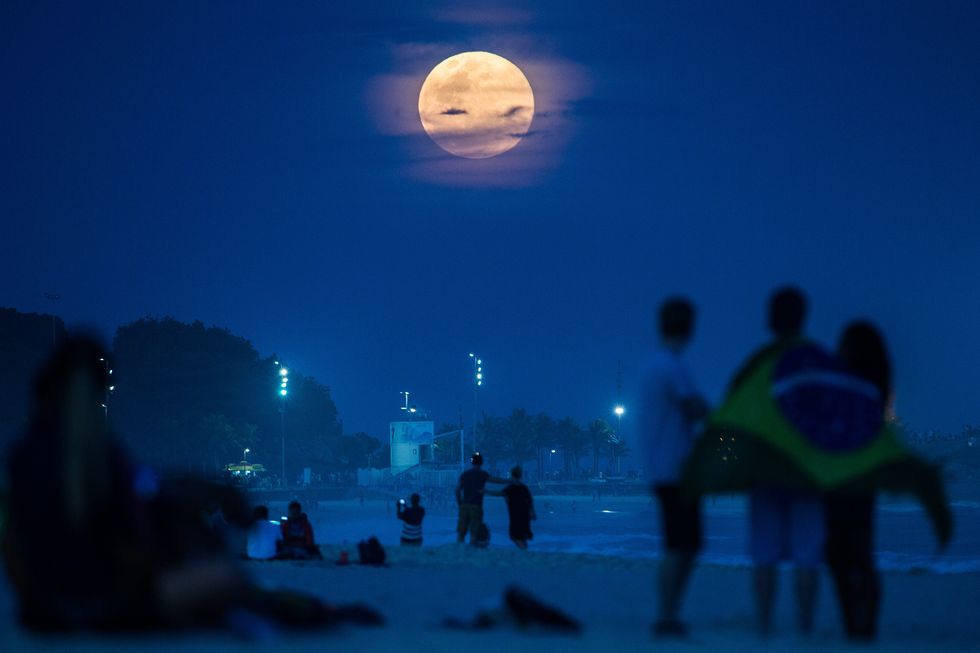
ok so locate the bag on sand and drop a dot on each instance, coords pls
(371, 552)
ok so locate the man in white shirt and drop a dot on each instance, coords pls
(670, 406)
(264, 537)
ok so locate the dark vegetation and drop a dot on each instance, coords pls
(188, 397)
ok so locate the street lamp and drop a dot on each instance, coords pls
(283, 392)
(245, 454)
(552, 453)
(477, 383)
(619, 410)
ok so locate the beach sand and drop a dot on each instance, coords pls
(612, 597)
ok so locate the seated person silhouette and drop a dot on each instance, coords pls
(297, 535)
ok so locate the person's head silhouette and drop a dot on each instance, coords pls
(787, 312)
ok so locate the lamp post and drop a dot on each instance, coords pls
(619, 410)
(245, 454)
(550, 454)
(283, 392)
(477, 382)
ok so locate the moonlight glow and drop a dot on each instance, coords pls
(476, 105)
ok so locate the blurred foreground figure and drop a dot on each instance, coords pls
(670, 408)
(785, 521)
(850, 515)
(76, 536)
(84, 550)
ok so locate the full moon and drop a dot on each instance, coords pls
(476, 105)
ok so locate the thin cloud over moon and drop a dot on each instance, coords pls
(391, 99)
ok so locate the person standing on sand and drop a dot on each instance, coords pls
(850, 515)
(784, 522)
(469, 498)
(670, 407)
(520, 508)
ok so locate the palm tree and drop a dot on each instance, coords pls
(520, 436)
(599, 435)
(493, 438)
(572, 440)
(544, 438)
(618, 449)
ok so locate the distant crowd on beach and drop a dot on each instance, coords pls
(90, 541)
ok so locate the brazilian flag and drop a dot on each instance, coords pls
(795, 417)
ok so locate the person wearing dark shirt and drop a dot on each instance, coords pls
(297, 534)
(520, 508)
(850, 515)
(411, 518)
(469, 498)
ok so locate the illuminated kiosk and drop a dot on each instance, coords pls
(243, 472)
(416, 454)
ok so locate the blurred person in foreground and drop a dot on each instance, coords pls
(850, 514)
(411, 517)
(785, 521)
(86, 551)
(81, 547)
(670, 408)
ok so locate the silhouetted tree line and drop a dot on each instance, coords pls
(191, 397)
(523, 438)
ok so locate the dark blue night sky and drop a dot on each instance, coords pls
(260, 166)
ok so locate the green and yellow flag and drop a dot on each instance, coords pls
(796, 418)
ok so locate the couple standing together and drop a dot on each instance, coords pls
(469, 497)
